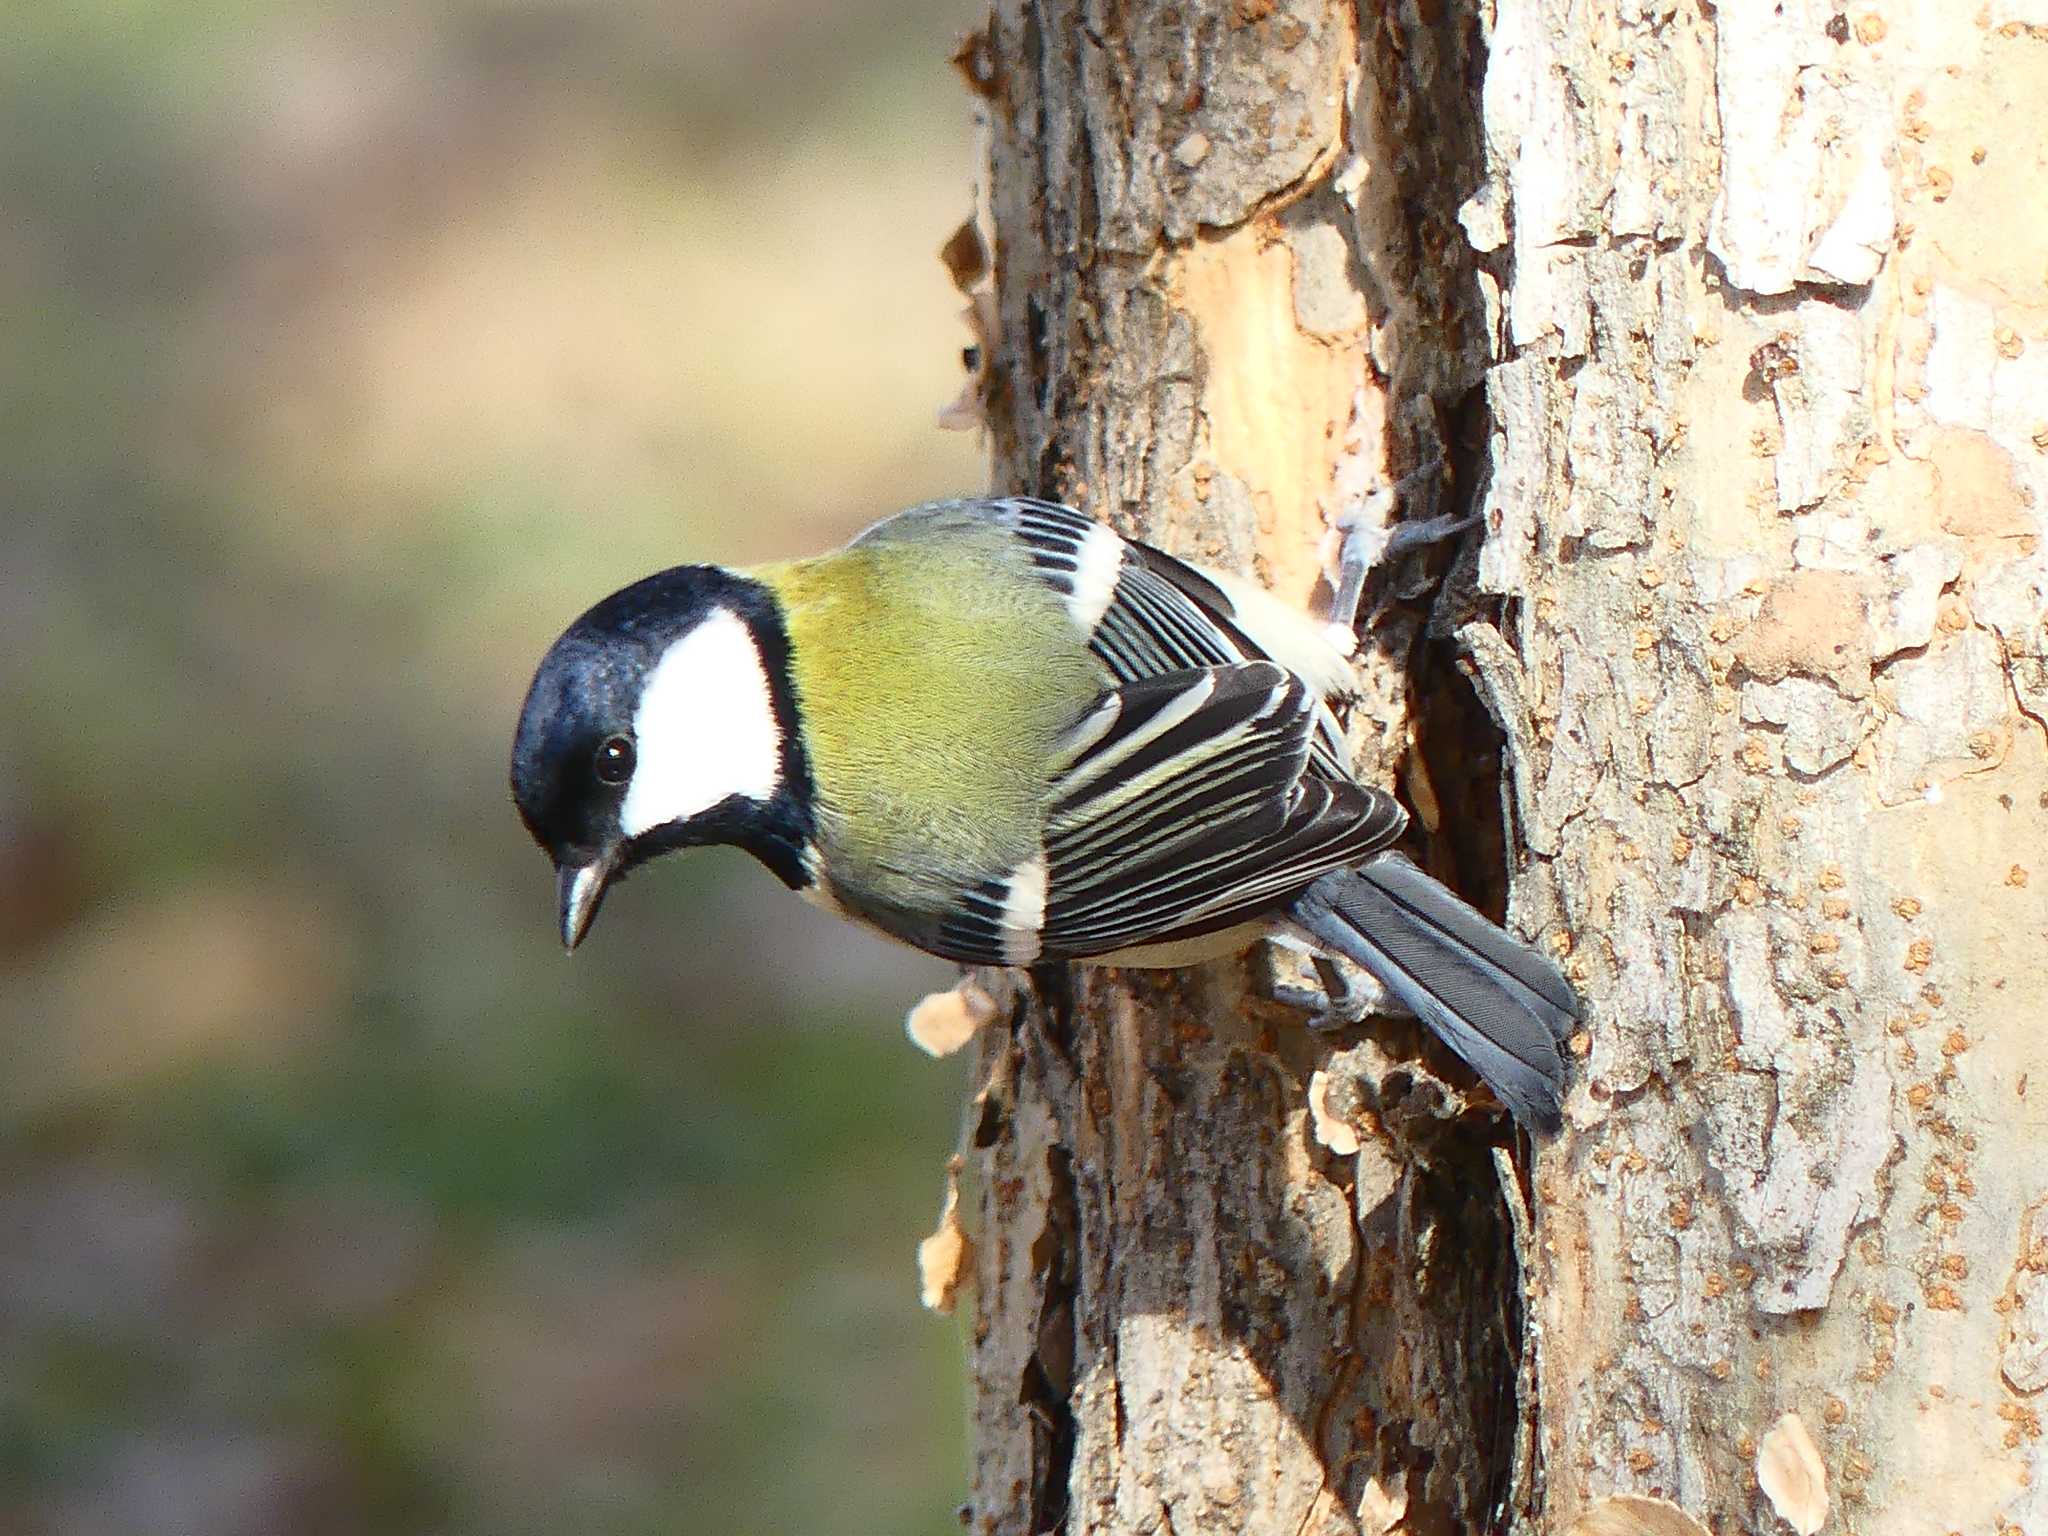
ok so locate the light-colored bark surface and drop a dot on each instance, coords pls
(1771, 463)
(1734, 322)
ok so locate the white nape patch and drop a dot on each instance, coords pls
(705, 727)
(1097, 564)
(1024, 912)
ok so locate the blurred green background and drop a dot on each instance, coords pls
(346, 352)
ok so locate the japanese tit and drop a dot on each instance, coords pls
(1000, 732)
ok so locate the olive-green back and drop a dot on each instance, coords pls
(934, 671)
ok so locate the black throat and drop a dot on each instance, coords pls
(777, 832)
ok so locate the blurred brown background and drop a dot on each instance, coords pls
(346, 352)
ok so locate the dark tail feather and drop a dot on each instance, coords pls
(1495, 1001)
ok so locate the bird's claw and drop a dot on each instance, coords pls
(1371, 538)
(1343, 1000)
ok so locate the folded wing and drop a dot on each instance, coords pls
(1147, 615)
(1182, 805)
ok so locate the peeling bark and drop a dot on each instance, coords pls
(1733, 322)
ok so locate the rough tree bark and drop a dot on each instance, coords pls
(1733, 321)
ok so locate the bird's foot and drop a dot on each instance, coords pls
(1370, 538)
(1344, 998)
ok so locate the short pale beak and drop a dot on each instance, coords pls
(582, 887)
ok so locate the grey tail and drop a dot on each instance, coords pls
(1496, 1002)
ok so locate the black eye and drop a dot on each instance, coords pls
(614, 763)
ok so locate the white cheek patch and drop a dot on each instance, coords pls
(705, 728)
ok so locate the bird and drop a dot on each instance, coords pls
(999, 731)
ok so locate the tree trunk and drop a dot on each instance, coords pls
(1733, 321)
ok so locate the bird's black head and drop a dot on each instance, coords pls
(662, 718)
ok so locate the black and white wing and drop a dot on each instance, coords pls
(1146, 614)
(1181, 806)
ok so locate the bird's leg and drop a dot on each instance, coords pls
(1346, 998)
(1052, 983)
(1346, 995)
(1371, 539)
